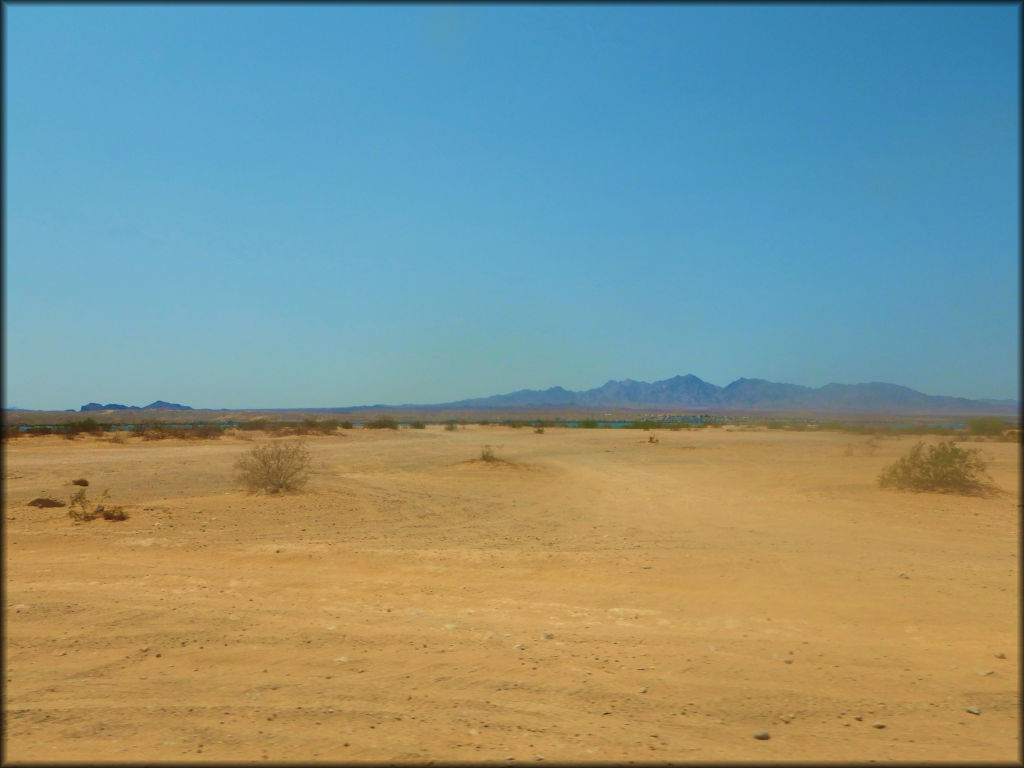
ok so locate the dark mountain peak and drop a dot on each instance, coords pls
(161, 405)
(107, 407)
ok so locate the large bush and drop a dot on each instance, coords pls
(274, 467)
(384, 422)
(943, 468)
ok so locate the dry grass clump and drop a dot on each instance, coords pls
(487, 454)
(274, 467)
(941, 468)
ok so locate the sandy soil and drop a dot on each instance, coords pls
(596, 598)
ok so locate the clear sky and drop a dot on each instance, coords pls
(246, 206)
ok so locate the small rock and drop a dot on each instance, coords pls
(548, 635)
(985, 672)
(1000, 655)
(878, 725)
(762, 735)
(973, 710)
(904, 576)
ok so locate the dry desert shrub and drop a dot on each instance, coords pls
(942, 468)
(274, 467)
(82, 510)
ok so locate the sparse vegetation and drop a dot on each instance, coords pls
(81, 510)
(987, 426)
(202, 432)
(418, 425)
(80, 481)
(942, 468)
(156, 432)
(316, 426)
(274, 467)
(487, 454)
(89, 425)
(451, 426)
(589, 424)
(253, 425)
(346, 425)
(539, 430)
(645, 424)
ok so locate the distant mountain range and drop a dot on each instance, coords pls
(687, 393)
(690, 392)
(159, 405)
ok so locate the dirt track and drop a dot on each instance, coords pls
(597, 598)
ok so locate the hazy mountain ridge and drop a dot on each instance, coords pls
(743, 394)
(682, 393)
(158, 405)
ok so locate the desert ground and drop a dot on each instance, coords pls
(595, 597)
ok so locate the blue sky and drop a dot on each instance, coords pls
(248, 206)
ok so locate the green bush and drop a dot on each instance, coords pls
(451, 426)
(346, 425)
(589, 424)
(942, 468)
(418, 425)
(384, 422)
(274, 467)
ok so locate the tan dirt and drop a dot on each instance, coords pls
(594, 598)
